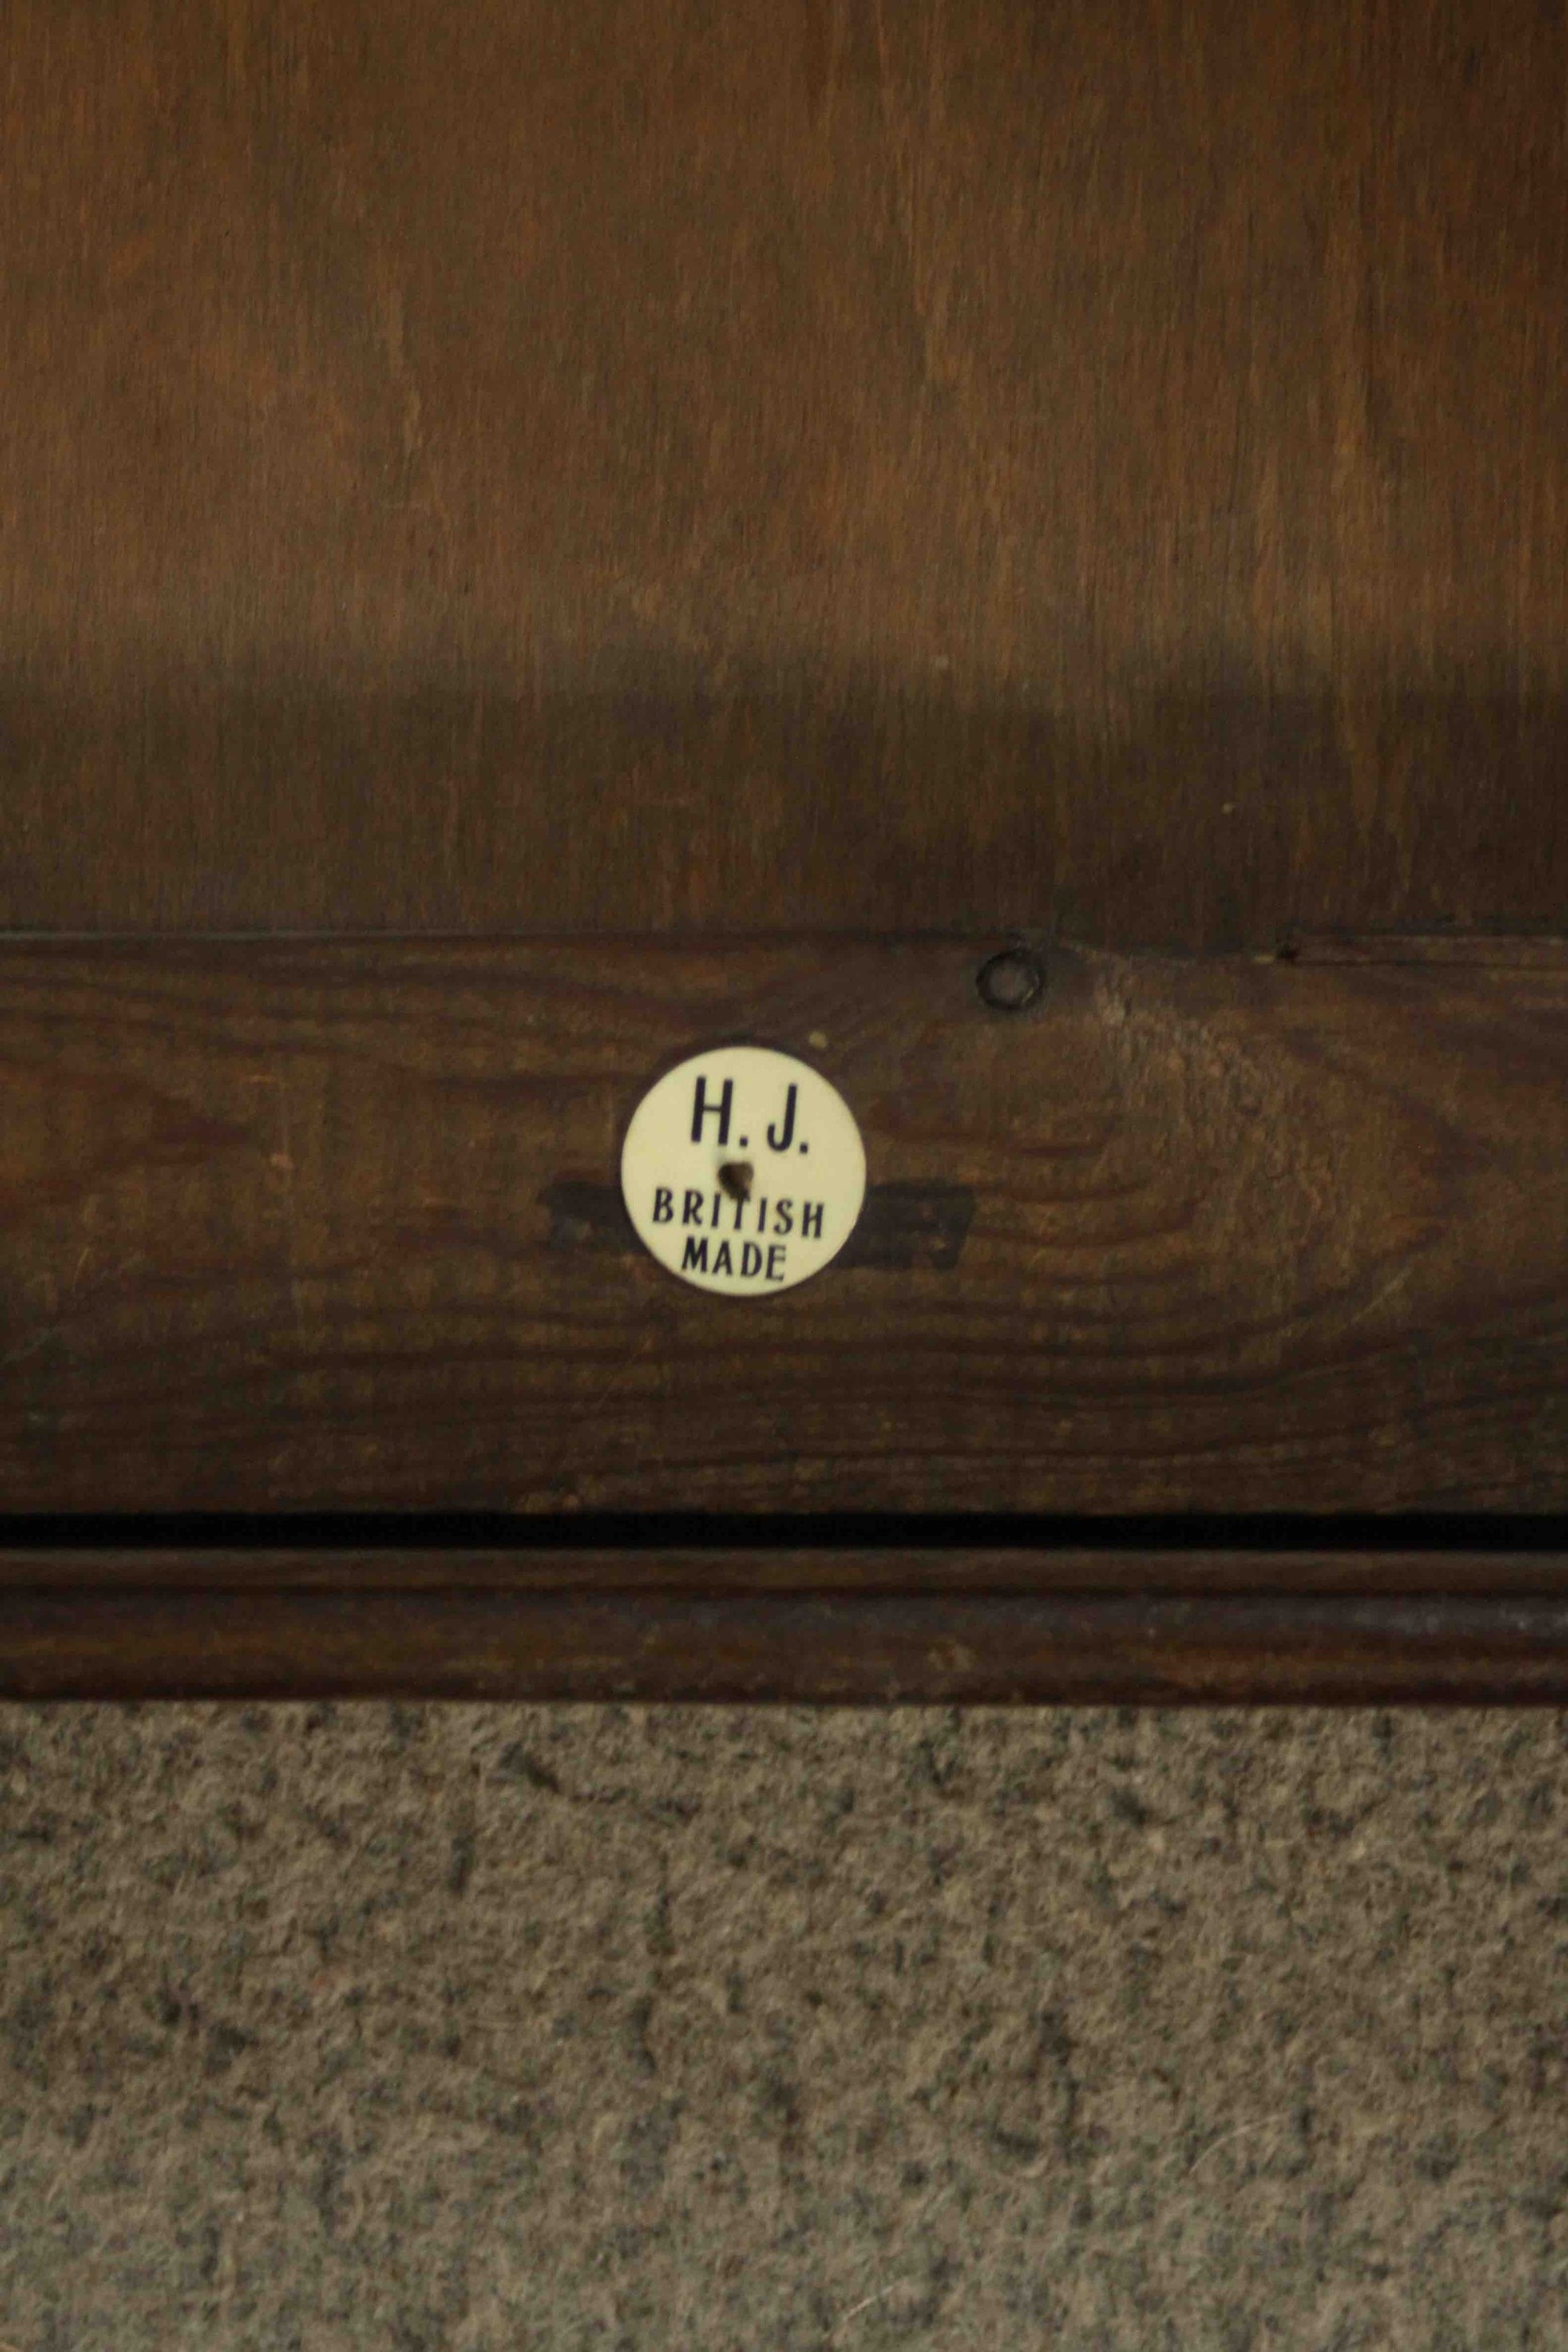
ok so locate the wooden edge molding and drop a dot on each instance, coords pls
(839, 1649)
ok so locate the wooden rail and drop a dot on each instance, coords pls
(296, 1224)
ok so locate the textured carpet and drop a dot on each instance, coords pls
(430, 2028)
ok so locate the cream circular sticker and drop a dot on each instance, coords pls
(743, 1171)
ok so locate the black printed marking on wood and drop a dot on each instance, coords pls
(902, 1226)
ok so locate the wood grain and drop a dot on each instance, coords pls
(684, 474)
(276, 1233)
(812, 462)
(1089, 1649)
(1429, 1566)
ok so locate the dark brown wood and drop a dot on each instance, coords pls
(301, 1224)
(1543, 951)
(510, 468)
(891, 1570)
(1090, 1649)
(822, 462)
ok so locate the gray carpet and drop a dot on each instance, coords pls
(444, 2029)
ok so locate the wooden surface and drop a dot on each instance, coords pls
(1353, 1621)
(1416, 1561)
(320, 1225)
(803, 463)
(1089, 1648)
(663, 472)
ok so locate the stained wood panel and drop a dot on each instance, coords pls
(646, 466)
(298, 1225)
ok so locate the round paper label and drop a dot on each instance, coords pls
(743, 1171)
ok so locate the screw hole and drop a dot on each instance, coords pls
(1011, 980)
(735, 1179)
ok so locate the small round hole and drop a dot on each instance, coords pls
(735, 1178)
(1011, 980)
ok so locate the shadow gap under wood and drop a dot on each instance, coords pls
(634, 1532)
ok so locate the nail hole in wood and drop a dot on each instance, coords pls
(1011, 980)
